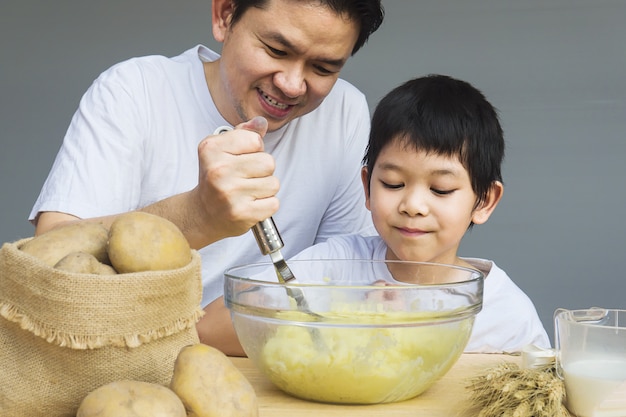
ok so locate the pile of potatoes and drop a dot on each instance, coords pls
(205, 383)
(135, 242)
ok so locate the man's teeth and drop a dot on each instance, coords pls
(274, 102)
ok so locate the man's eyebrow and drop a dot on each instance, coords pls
(277, 37)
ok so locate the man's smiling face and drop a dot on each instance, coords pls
(279, 62)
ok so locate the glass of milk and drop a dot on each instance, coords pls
(591, 360)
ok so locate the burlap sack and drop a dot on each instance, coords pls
(62, 335)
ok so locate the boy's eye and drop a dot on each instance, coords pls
(391, 186)
(441, 192)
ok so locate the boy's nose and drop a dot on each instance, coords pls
(414, 204)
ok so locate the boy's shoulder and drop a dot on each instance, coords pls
(349, 246)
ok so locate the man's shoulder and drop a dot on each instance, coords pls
(153, 65)
(341, 114)
(344, 90)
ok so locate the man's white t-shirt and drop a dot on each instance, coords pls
(133, 141)
(508, 320)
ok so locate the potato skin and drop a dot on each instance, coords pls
(84, 263)
(56, 243)
(141, 241)
(210, 385)
(128, 398)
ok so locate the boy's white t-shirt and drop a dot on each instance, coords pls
(508, 320)
(133, 141)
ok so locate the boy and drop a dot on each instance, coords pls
(432, 171)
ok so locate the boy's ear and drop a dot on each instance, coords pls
(221, 14)
(484, 210)
(366, 186)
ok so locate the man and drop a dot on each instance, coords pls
(142, 139)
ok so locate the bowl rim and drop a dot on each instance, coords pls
(477, 275)
(446, 315)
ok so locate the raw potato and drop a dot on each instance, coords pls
(84, 263)
(210, 385)
(131, 399)
(141, 241)
(56, 243)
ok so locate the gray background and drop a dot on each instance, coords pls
(554, 68)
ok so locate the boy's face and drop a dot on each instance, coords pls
(421, 204)
(279, 62)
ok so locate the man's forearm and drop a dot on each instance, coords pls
(181, 210)
(216, 329)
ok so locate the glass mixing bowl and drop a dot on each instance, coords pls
(354, 331)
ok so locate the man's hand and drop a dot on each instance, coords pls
(236, 187)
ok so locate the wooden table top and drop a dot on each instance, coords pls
(448, 397)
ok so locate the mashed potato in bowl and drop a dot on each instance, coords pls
(365, 335)
(362, 365)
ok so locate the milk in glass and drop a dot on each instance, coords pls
(596, 387)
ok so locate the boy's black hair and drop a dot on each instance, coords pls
(441, 115)
(368, 13)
